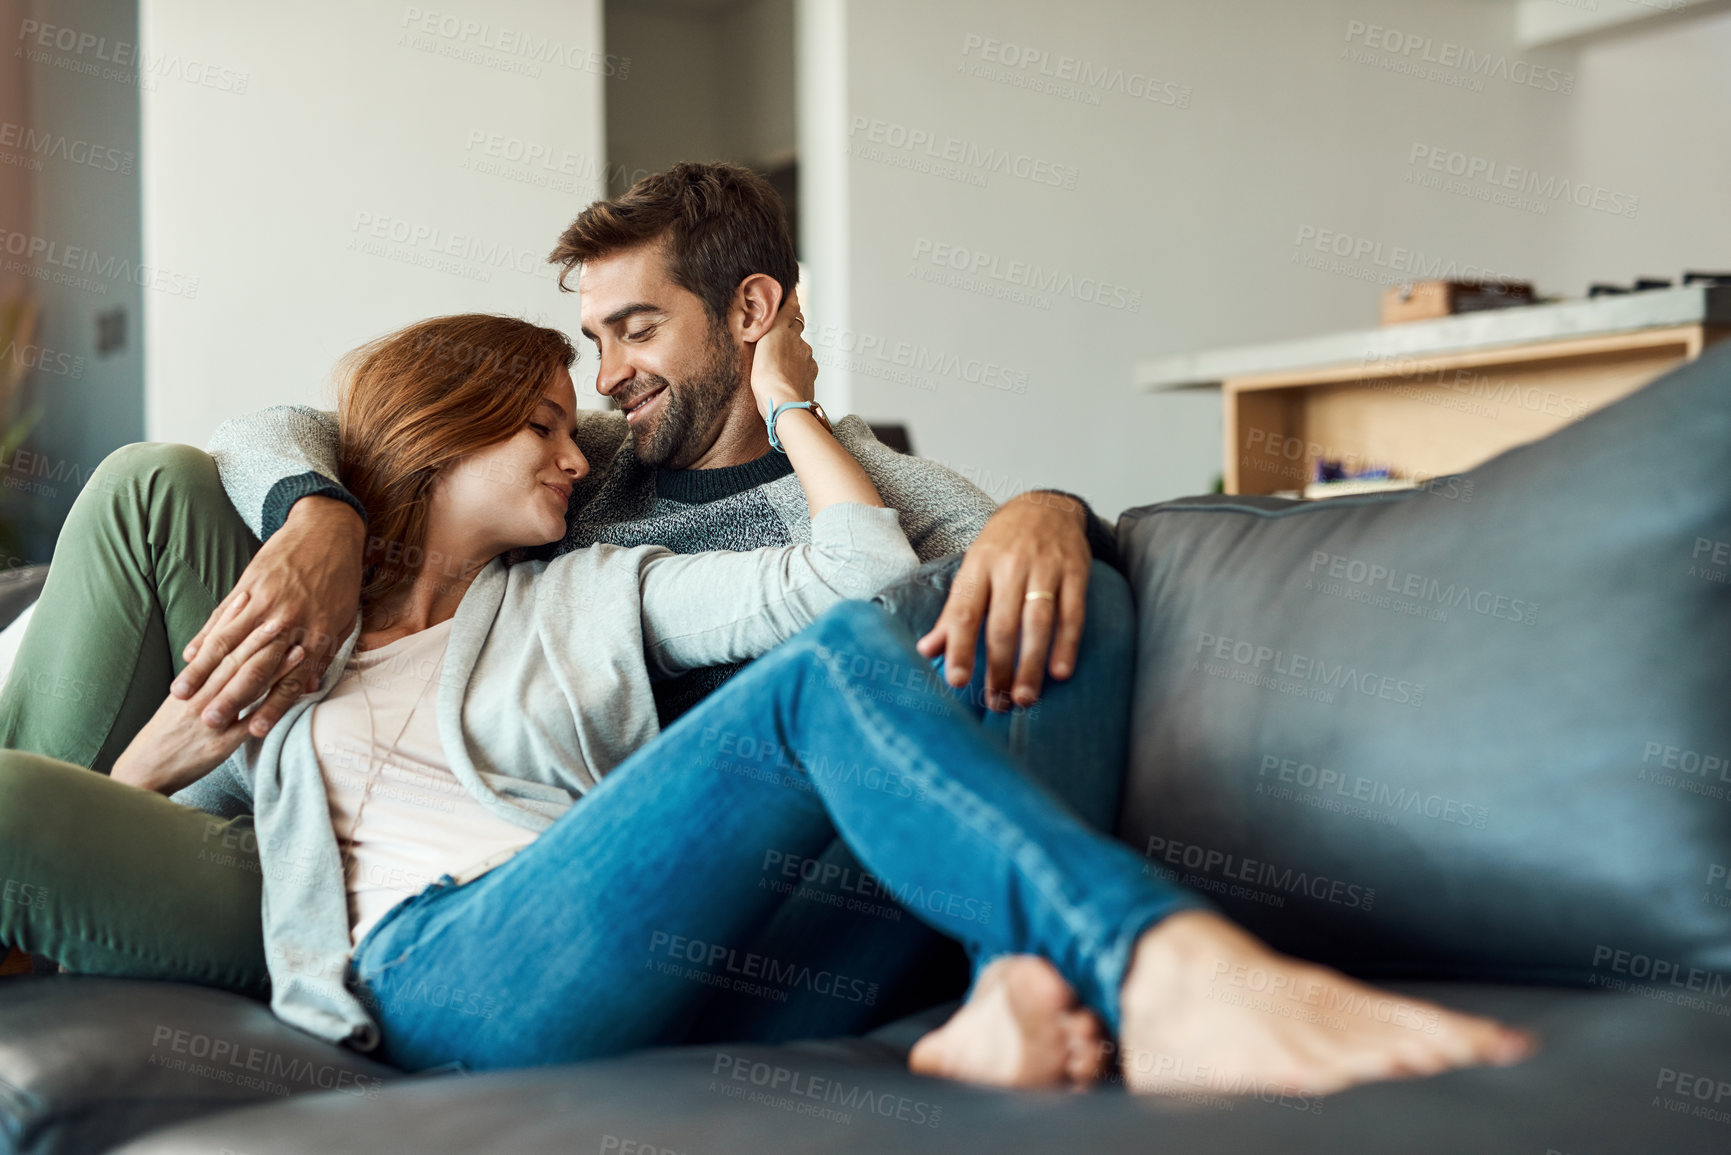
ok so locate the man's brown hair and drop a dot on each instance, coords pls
(719, 223)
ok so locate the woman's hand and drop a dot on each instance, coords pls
(783, 368)
(176, 747)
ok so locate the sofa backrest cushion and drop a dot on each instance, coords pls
(1482, 728)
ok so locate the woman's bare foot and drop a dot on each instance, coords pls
(1021, 1027)
(1207, 1006)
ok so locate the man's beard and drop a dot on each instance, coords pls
(690, 410)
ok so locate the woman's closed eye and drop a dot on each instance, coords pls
(540, 430)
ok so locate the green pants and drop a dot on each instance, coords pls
(120, 881)
(149, 549)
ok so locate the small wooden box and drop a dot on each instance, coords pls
(1428, 300)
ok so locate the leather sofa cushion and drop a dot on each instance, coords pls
(1578, 1095)
(1478, 729)
(86, 1063)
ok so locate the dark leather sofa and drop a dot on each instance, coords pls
(1348, 735)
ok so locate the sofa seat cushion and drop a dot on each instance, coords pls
(86, 1063)
(1617, 1074)
(1479, 729)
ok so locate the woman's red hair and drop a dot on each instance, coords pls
(420, 400)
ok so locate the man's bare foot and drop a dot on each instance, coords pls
(1207, 1006)
(1021, 1027)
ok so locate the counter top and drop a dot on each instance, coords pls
(1521, 325)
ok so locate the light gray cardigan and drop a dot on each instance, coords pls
(546, 687)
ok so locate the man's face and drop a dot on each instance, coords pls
(663, 362)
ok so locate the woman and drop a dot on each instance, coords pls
(431, 890)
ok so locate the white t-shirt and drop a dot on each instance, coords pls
(400, 816)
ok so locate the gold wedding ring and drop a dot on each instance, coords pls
(1036, 595)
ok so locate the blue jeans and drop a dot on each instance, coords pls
(609, 931)
(1074, 742)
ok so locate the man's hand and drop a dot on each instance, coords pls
(1034, 543)
(302, 590)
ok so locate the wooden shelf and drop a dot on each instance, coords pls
(1433, 414)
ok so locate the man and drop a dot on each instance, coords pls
(686, 464)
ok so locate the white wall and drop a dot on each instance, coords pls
(1653, 119)
(342, 168)
(1294, 125)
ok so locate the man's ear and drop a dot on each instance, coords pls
(755, 305)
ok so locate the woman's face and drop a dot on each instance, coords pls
(513, 493)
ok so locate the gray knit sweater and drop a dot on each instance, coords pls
(270, 459)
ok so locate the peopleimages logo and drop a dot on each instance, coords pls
(1691, 762)
(1391, 264)
(429, 246)
(1407, 374)
(975, 268)
(908, 894)
(1701, 1096)
(1260, 873)
(85, 53)
(1067, 76)
(25, 894)
(1661, 972)
(861, 352)
(42, 359)
(923, 142)
(1403, 583)
(47, 259)
(1304, 668)
(1419, 48)
(1711, 560)
(799, 1091)
(529, 49)
(59, 146)
(227, 1059)
(1494, 177)
(722, 965)
(1358, 788)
